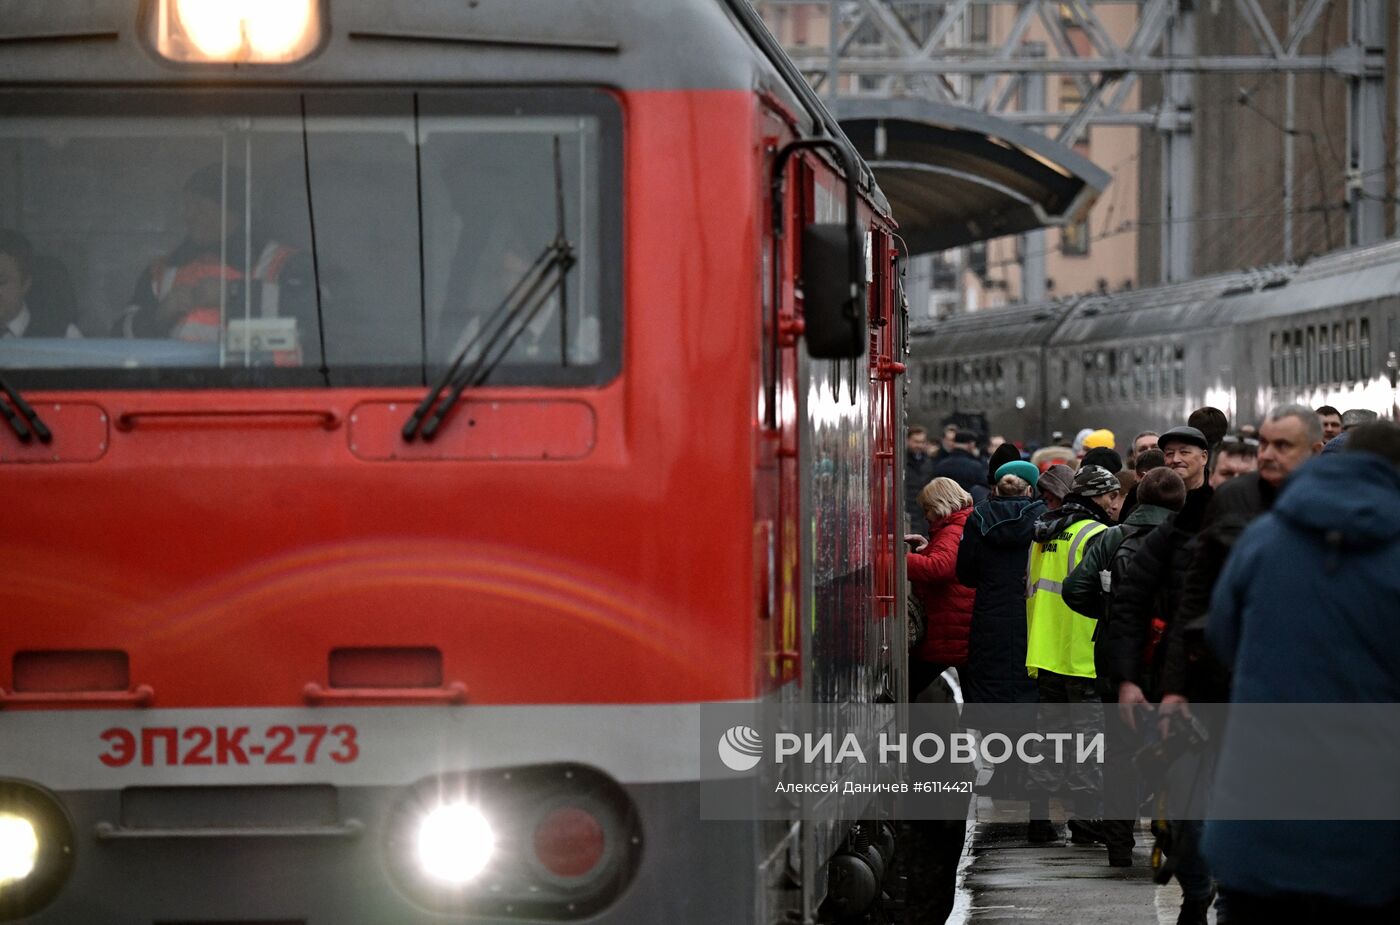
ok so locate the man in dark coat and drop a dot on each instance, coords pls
(1145, 606)
(961, 465)
(918, 472)
(1089, 592)
(1289, 437)
(992, 560)
(1279, 622)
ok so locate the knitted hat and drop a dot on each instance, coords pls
(1000, 456)
(1103, 456)
(1092, 481)
(1056, 480)
(1021, 469)
(1100, 437)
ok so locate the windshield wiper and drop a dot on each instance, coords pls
(526, 298)
(515, 313)
(26, 424)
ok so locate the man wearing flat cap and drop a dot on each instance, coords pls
(1354, 417)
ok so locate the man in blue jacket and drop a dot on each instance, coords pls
(1307, 611)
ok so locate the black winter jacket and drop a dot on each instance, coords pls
(1237, 503)
(1150, 588)
(964, 468)
(992, 558)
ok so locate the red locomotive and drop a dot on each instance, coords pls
(291, 635)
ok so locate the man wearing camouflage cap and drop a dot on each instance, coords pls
(1060, 648)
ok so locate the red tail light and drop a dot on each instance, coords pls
(569, 842)
(565, 840)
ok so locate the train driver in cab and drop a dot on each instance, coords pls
(187, 293)
(18, 317)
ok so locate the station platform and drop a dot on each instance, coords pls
(1003, 878)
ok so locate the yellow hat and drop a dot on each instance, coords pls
(1099, 438)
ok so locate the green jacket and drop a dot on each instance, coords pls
(1083, 590)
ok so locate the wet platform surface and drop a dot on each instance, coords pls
(1006, 879)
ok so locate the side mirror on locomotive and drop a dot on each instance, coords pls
(833, 290)
(833, 261)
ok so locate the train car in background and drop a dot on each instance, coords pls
(1324, 332)
(472, 392)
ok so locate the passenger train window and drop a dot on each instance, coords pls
(278, 239)
(1351, 352)
(1298, 357)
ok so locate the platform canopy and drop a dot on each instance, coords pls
(955, 175)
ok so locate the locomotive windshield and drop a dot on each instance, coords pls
(298, 239)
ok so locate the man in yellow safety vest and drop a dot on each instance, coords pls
(1060, 654)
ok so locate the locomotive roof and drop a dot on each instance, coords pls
(635, 44)
(630, 44)
(1335, 279)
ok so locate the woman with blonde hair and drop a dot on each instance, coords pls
(932, 568)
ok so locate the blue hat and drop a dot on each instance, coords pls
(1021, 469)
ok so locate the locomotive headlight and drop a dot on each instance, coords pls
(36, 848)
(243, 31)
(19, 848)
(454, 843)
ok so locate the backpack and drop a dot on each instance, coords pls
(1133, 537)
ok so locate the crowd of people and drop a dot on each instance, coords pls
(1110, 594)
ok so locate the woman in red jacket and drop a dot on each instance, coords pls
(932, 571)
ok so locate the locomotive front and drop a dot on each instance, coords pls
(373, 550)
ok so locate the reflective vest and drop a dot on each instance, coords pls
(203, 323)
(1058, 639)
